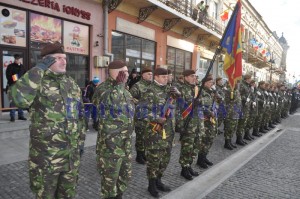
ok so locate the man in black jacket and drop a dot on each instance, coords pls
(15, 71)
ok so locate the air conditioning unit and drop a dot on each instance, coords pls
(101, 61)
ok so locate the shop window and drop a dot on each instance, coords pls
(118, 46)
(178, 60)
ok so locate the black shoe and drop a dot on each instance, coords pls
(22, 118)
(247, 137)
(252, 138)
(161, 186)
(152, 188)
(186, 173)
(192, 172)
(209, 163)
(12, 119)
(239, 141)
(200, 162)
(139, 157)
(271, 125)
(244, 142)
(119, 196)
(227, 145)
(262, 130)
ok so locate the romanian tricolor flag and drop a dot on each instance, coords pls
(232, 43)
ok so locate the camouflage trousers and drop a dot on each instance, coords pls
(48, 185)
(115, 174)
(140, 135)
(266, 117)
(230, 127)
(157, 161)
(250, 122)
(258, 120)
(188, 145)
(207, 139)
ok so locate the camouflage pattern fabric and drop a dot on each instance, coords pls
(57, 130)
(137, 90)
(233, 111)
(210, 128)
(221, 104)
(267, 109)
(253, 110)
(189, 143)
(261, 103)
(272, 106)
(245, 93)
(280, 104)
(116, 119)
(158, 145)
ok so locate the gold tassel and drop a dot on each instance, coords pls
(231, 95)
(164, 136)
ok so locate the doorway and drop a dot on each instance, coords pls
(6, 58)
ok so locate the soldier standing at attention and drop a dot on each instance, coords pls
(190, 135)
(116, 114)
(57, 130)
(220, 90)
(137, 90)
(159, 130)
(261, 104)
(253, 110)
(208, 137)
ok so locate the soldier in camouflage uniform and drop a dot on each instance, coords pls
(233, 110)
(57, 129)
(137, 90)
(245, 92)
(210, 124)
(160, 128)
(273, 105)
(267, 108)
(253, 109)
(261, 103)
(189, 135)
(280, 102)
(220, 102)
(116, 121)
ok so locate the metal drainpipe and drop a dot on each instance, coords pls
(105, 31)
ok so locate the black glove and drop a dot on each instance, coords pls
(174, 91)
(121, 78)
(45, 63)
(81, 150)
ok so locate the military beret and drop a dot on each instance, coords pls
(146, 70)
(17, 56)
(52, 48)
(247, 76)
(252, 81)
(261, 83)
(160, 71)
(116, 64)
(169, 71)
(188, 72)
(218, 79)
(208, 78)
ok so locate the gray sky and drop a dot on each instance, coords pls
(284, 16)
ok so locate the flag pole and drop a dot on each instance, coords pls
(217, 52)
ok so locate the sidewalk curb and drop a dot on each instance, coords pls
(212, 178)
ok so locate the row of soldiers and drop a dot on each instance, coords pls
(159, 108)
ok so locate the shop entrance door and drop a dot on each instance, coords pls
(6, 58)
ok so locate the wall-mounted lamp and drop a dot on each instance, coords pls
(96, 43)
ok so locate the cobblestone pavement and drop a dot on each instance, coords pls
(272, 170)
(274, 173)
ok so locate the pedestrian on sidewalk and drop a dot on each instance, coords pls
(116, 115)
(57, 131)
(15, 71)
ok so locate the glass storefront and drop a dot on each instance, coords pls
(136, 51)
(178, 60)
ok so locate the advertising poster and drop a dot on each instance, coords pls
(13, 27)
(76, 38)
(44, 29)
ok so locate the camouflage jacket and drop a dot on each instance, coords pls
(139, 88)
(116, 112)
(261, 101)
(56, 113)
(233, 103)
(208, 103)
(245, 92)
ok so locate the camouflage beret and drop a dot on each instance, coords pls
(160, 71)
(188, 72)
(52, 48)
(146, 70)
(116, 64)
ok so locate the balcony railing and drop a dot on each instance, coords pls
(187, 8)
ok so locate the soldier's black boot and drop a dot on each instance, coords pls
(201, 162)
(186, 173)
(247, 136)
(192, 172)
(152, 188)
(262, 130)
(161, 186)
(266, 128)
(139, 157)
(144, 156)
(239, 141)
(209, 163)
(119, 196)
(232, 145)
(227, 145)
(256, 133)
(271, 125)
